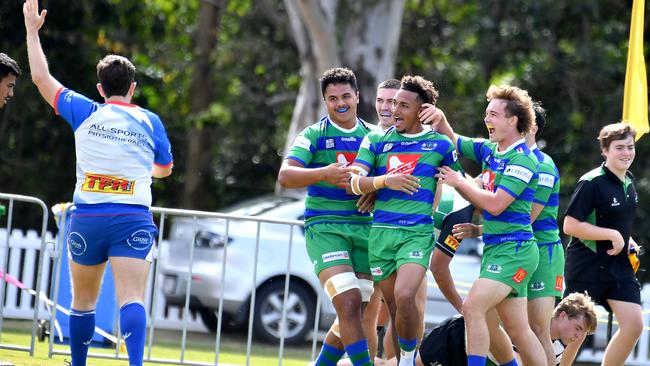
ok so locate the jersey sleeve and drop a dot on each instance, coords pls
(471, 148)
(162, 149)
(450, 159)
(545, 184)
(304, 147)
(518, 174)
(582, 201)
(73, 107)
(366, 155)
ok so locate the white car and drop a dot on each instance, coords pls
(209, 240)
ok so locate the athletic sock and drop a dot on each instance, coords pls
(511, 363)
(408, 351)
(475, 360)
(133, 324)
(82, 329)
(329, 355)
(358, 353)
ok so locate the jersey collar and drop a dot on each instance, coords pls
(514, 145)
(335, 125)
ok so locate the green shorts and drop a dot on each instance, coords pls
(511, 263)
(391, 248)
(548, 279)
(332, 244)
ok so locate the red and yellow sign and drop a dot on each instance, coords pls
(559, 282)
(519, 275)
(402, 163)
(452, 242)
(99, 183)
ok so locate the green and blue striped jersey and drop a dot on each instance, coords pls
(548, 194)
(515, 171)
(389, 152)
(322, 144)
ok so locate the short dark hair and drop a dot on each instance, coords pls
(540, 116)
(425, 90)
(389, 84)
(518, 103)
(8, 66)
(615, 131)
(338, 75)
(115, 74)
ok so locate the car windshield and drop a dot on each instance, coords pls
(258, 206)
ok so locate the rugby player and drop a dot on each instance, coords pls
(9, 72)
(119, 147)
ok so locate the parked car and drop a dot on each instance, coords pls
(208, 236)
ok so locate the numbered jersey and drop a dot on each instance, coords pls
(116, 145)
(420, 155)
(322, 144)
(515, 171)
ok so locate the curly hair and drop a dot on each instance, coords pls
(518, 103)
(338, 75)
(425, 90)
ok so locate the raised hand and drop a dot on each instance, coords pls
(33, 20)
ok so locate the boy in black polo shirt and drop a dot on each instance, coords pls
(600, 218)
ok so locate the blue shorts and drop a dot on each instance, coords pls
(97, 232)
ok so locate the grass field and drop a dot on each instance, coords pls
(200, 348)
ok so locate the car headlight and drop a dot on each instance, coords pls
(207, 239)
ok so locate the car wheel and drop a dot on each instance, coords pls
(211, 321)
(268, 313)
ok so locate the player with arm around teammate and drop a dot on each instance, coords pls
(119, 147)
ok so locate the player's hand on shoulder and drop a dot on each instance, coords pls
(403, 182)
(431, 115)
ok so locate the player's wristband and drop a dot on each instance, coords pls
(379, 182)
(354, 184)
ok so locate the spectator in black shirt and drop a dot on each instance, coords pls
(599, 218)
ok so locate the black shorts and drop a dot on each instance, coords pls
(446, 241)
(622, 290)
(445, 344)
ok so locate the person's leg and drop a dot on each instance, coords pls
(369, 321)
(540, 312)
(387, 287)
(130, 275)
(500, 344)
(408, 321)
(86, 283)
(484, 295)
(630, 326)
(513, 314)
(421, 303)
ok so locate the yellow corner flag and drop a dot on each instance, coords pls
(635, 99)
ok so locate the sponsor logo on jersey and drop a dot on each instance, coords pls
(402, 163)
(376, 271)
(488, 180)
(454, 155)
(408, 143)
(519, 172)
(559, 282)
(546, 180)
(76, 243)
(302, 142)
(365, 144)
(537, 286)
(615, 202)
(387, 147)
(334, 256)
(429, 145)
(349, 139)
(452, 242)
(329, 144)
(345, 158)
(519, 275)
(493, 268)
(140, 240)
(99, 183)
(416, 254)
(520, 150)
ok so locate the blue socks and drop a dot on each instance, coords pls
(82, 329)
(475, 360)
(329, 355)
(408, 350)
(511, 363)
(133, 324)
(358, 353)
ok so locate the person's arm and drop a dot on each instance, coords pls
(441, 273)
(493, 202)
(571, 351)
(535, 211)
(586, 231)
(430, 114)
(294, 175)
(47, 85)
(160, 171)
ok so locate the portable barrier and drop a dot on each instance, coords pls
(185, 278)
(10, 259)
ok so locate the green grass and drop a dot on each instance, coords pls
(199, 348)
